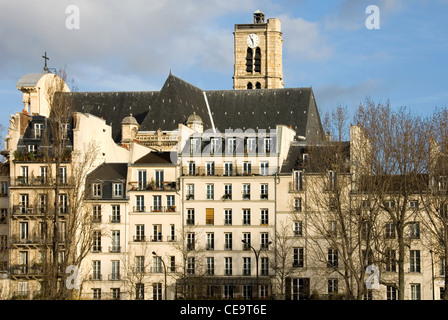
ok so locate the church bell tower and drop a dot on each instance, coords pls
(258, 54)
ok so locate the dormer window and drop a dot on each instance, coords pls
(117, 189)
(96, 190)
(38, 128)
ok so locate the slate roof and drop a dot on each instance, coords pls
(158, 158)
(177, 100)
(30, 80)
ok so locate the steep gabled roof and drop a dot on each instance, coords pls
(158, 158)
(177, 100)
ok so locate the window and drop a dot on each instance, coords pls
(96, 270)
(157, 203)
(264, 217)
(231, 145)
(332, 286)
(172, 264)
(413, 204)
(246, 216)
(391, 264)
(251, 145)
(140, 264)
(159, 178)
(298, 204)
(157, 232)
(190, 265)
(210, 266)
(228, 168)
(210, 241)
(157, 291)
(228, 191)
(246, 191)
(264, 191)
(117, 189)
(96, 190)
(264, 270)
(157, 264)
(139, 232)
(215, 145)
(63, 175)
(332, 258)
(115, 246)
(228, 241)
(139, 203)
(23, 179)
(24, 203)
(195, 145)
(300, 288)
(257, 61)
(228, 217)
(4, 189)
(390, 230)
(210, 168)
(267, 145)
(331, 180)
(249, 64)
(264, 168)
(170, 203)
(96, 214)
(415, 291)
(249, 84)
(297, 229)
(96, 241)
(246, 266)
(38, 128)
(139, 291)
(414, 261)
(190, 191)
(42, 203)
(333, 228)
(63, 205)
(414, 230)
(298, 258)
(258, 85)
(190, 217)
(246, 241)
(191, 168)
(247, 168)
(391, 293)
(228, 266)
(390, 204)
(115, 275)
(141, 176)
(210, 191)
(190, 241)
(23, 231)
(264, 241)
(96, 293)
(115, 217)
(209, 216)
(32, 148)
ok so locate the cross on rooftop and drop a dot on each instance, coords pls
(45, 58)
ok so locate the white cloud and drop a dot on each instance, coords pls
(303, 41)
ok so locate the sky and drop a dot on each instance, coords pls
(115, 45)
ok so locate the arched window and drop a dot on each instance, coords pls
(257, 59)
(249, 60)
(249, 85)
(258, 85)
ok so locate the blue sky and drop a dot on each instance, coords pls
(133, 45)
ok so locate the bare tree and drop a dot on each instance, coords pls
(398, 163)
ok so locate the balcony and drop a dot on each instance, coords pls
(96, 277)
(114, 219)
(139, 209)
(157, 238)
(139, 238)
(113, 277)
(163, 208)
(154, 186)
(295, 187)
(114, 249)
(26, 270)
(28, 240)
